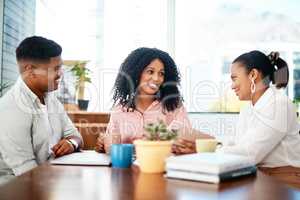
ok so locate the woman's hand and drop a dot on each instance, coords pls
(104, 142)
(186, 144)
(130, 140)
(100, 145)
(183, 146)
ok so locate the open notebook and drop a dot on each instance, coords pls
(82, 158)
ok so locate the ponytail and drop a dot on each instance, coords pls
(280, 77)
(273, 68)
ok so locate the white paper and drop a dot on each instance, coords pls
(82, 158)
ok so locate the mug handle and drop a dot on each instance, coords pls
(219, 145)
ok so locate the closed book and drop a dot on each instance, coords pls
(211, 178)
(212, 163)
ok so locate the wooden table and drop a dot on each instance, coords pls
(85, 183)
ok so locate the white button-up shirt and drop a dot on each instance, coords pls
(28, 130)
(268, 131)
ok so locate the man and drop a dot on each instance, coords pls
(33, 123)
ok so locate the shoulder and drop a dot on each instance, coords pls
(6, 100)
(119, 111)
(280, 101)
(281, 96)
(283, 102)
(278, 112)
(12, 111)
(118, 108)
(10, 102)
(179, 110)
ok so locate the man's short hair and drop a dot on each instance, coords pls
(37, 48)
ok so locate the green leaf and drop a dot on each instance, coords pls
(159, 131)
(81, 74)
(87, 79)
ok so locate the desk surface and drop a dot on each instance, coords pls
(84, 183)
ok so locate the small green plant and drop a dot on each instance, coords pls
(296, 100)
(158, 131)
(82, 75)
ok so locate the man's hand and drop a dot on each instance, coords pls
(63, 147)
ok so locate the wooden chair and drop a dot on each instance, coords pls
(90, 125)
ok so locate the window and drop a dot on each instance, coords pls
(203, 37)
(129, 25)
(210, 35)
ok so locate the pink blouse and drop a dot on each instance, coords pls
(130, 125)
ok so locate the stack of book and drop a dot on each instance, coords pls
(209, 167)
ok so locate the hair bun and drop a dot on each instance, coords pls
(273, 57)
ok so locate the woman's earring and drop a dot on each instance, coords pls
(252, 87)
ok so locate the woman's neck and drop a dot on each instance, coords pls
(258, 94)
(143, 102)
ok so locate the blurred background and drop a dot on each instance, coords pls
(202, 36)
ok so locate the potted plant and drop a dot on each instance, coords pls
(82, 75)
(156, 146)
(296, 102)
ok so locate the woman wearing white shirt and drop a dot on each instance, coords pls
(267, 130)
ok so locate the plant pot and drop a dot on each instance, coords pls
(151, 155)
(83, 104)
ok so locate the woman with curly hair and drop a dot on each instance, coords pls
(145, 91)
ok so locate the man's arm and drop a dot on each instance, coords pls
(16, 146)
(71, 139)
(71, 133)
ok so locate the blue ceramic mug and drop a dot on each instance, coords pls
(121, 155)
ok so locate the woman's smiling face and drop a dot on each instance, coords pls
(241, 82)
(152, 78)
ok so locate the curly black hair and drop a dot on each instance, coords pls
(127, 81)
